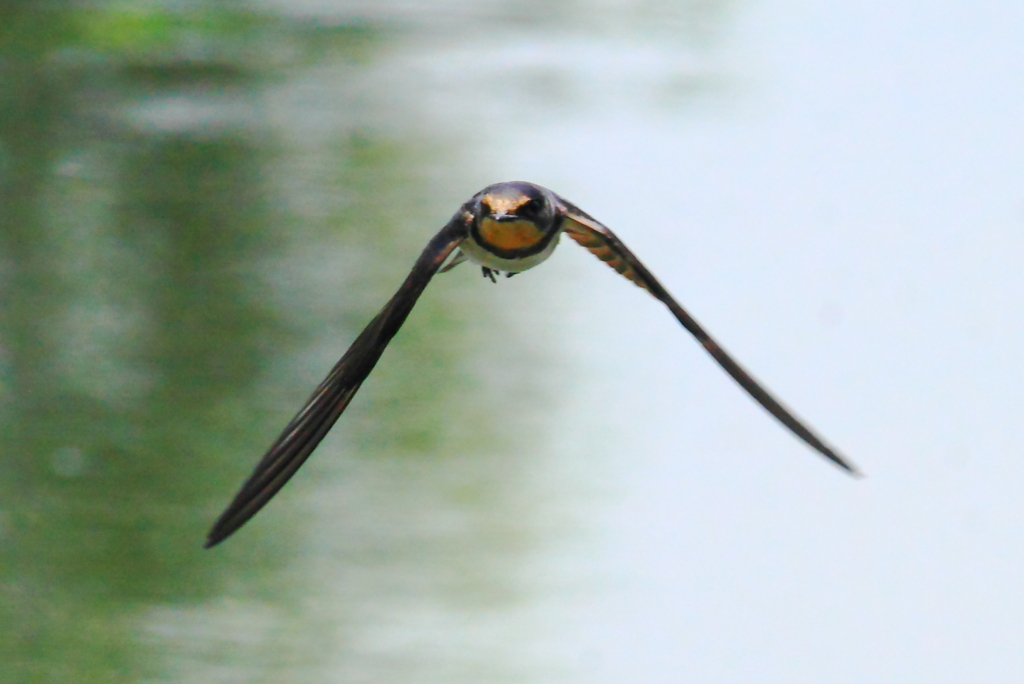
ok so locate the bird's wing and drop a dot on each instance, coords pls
(604, 244)
(311, 424)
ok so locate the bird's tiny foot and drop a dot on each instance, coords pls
(488, 273)
(510, 274)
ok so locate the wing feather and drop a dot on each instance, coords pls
(607, 247)
(305, 431)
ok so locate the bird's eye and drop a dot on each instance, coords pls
(531, 208)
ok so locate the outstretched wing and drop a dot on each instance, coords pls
(301, 436)
(603, 243)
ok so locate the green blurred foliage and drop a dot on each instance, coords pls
(134, 322)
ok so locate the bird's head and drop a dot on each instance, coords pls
(514, 218)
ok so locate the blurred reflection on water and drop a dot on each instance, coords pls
(198, 211)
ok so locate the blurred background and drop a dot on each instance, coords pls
(545, 480)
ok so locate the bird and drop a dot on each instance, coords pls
(508, 228)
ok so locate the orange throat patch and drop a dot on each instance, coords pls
(509, 235)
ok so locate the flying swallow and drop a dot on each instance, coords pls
(505, 228)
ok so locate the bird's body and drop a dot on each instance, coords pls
(516, 231)
(507, 227)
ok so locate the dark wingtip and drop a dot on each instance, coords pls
(227, 525)
(218, 533)
(838, 460)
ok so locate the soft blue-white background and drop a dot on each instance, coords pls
(545, 480)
